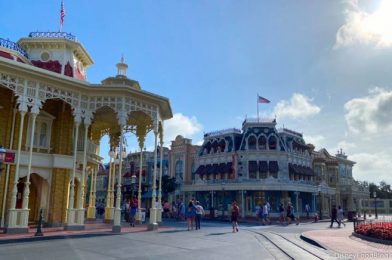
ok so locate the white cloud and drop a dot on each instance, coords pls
(346, 146)
(366, 28)
(298, 107)
(316, 140)
(370, 114)
(181, 125)
(373, 167)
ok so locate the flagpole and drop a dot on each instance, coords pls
(257, 104)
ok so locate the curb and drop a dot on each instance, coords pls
(55, 237)
(312, 241)
(372, 239)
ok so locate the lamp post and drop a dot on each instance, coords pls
(296, 203)
(321, 203)
(133, 182)
(223, 200)
(375, 203)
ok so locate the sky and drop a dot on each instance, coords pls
(324, 65)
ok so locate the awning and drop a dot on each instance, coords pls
(299, 169)
(252, 166)
(209, 169)
(273, 167)
(263, 166)
(215, 168)
(222, 168)
(229, 167)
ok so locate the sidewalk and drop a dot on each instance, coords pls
(97, 228)
(347, 246)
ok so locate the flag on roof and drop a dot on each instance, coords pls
(262, 100)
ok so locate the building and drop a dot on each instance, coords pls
(131, 165)
(261, 163)
(53, 119)
(182, 164)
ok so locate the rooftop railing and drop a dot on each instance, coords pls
(13, 46)
(62, 35)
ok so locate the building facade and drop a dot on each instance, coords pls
(53, 119)
(260, 163)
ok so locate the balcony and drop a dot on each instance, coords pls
(92, 148)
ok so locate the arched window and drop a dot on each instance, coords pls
(222, 145)
(252, 143)
(215, 146)
(179, 170)
(272, 143)
(262, 142)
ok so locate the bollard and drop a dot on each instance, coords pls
(39, 226)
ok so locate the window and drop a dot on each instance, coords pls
(262, 142)
(252, 143)
(272, 143)
(179, 170)
(42, 131)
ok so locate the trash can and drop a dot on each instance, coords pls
(351, 215)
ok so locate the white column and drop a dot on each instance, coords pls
(117, 212)
(109, 184)
(71, 211)
(153, 210)
(16, 179)
(81, 201)
(26, 192)
(159, 219)
(139, 195)
(242, 204)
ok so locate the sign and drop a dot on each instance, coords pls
(9, 157)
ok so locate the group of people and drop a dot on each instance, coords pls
(337, 215)
(131, 206)
(193, 214)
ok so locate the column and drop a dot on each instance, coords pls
(95, 171)
(81, 209)
(108, 209)
(117, 211)
(159, 216)
(139, 194)
(71, 221)
(314, 202)
(242, 204)
(153, 211)
(26, 191)
(12, 225)
(91, 204)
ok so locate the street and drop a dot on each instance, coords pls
(215, 240)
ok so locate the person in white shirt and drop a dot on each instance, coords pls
(307, 210)
(199, 214)
(266, 212)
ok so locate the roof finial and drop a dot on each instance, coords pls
(122, 67)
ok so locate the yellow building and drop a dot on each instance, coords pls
(53, 119)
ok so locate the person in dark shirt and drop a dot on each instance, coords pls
(235, 212)
(334, 214)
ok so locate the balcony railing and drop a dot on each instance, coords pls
(256, 181)
(13, 46)
(91, 147)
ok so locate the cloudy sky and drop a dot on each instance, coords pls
(325, 65)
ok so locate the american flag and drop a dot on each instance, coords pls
(262, 100)
(62, 14)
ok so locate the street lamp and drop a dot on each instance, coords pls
(375, 203)
(133, 182)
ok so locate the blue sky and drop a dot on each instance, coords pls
(325, 65)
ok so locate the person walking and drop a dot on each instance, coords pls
(334, 213)
(132, 211)
(266, 220)
(199, 214)
(307, 210)
(282, 218)
(235, 212)
(341, 216)
(290, 214)
(190, 215)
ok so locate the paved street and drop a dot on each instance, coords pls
(213, 241)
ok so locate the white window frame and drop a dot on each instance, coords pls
(42, 118)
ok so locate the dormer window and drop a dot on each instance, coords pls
(42, 132)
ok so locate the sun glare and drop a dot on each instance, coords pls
(379, 23)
